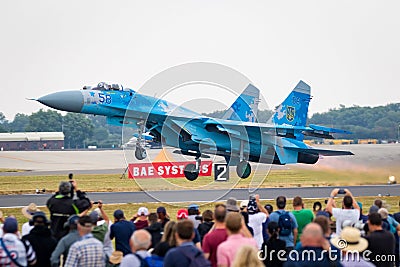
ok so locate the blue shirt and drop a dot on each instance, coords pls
(122, 231)
(274, 217)
(175, 258)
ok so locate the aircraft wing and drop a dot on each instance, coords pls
(322, 152)
(275, 129)
(324, 132)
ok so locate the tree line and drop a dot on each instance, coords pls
(82, 130)
(380, 122)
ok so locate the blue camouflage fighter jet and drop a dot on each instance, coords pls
(237, 136)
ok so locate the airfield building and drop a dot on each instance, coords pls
(31, 141)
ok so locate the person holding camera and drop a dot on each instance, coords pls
(62, 205)
(43, 243)
(350, 210)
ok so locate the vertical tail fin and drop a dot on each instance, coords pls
(294, 109)
(245, 107)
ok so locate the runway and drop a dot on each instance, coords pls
(366, 157)
(204, 195)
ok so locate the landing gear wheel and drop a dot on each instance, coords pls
(191, 172)
(243, 169)
(140, 153)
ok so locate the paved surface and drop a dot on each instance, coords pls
(383, 156)
(205, 195)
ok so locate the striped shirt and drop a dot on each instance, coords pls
(87, 252)
(20, 252)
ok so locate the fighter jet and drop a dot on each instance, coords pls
(237, 136)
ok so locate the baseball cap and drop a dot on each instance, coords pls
(182, 214)
(373, 209)
(10, 225)
(94, 216)
(118, 214)
(252, 207)
(161, 209)
(193, 206)
(72, 220)
(143, 211)
(244, 204)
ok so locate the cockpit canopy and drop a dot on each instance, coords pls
(102, 86)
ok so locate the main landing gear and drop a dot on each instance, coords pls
(243, 169)
(192, 171)
(140, 151)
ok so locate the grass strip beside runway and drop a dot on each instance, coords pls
(293, 177)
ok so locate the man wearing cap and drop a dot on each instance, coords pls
(65, 243)
(122, 230)
(257, 216)
(162, 216)
(102, 228)
(351, 248)
(140, 220)
(11, 243)
(61, 206)
(43, 243)
(28, 213)
(193, 212)
(87, 251)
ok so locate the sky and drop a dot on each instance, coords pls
(347, 51)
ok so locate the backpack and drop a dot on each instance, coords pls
(284, 223)
(196, 258)
(150, 261)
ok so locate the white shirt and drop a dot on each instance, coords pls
(26, 229)
(108, 247)
(342, 215)
(255, 222)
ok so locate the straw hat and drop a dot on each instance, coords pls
(116, 257)
(30, 210)
(350, 240)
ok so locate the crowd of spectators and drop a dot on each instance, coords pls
(80, 233)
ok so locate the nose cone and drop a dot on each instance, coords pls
(66, 101)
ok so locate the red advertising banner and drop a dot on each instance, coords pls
(165, 169)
